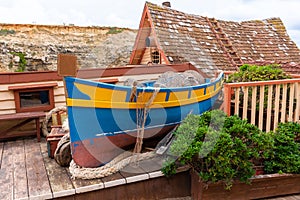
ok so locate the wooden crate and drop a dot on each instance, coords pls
(53, 138)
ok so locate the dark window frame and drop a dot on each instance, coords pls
(35, 88)
(155, 56)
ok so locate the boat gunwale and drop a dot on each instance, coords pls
(144, 89)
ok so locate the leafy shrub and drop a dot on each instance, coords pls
(257, 73)
(22, 61)
(6, 32)
(249, 73)
(219, 147)
(286, 152)
(114, 30)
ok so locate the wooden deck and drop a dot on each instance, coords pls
(26, 172)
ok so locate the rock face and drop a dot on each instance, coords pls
(30, 47)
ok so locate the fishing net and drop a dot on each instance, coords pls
(172, 79)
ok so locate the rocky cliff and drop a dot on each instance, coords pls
(30, 47)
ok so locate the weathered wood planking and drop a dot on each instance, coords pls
(19, 169)
(133, 173)
(59, 180)
(38, 184)
(82, 186)
(6, 172)
(153, 166)
(1, 152)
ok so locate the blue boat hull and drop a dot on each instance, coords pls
(99, 134)
(103, 117)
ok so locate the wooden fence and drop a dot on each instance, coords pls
(264, 103)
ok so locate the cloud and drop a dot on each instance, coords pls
(128, 13)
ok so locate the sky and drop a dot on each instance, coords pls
(127, 13)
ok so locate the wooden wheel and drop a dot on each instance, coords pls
(62, 154)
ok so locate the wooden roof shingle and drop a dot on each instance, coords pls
(212, 44)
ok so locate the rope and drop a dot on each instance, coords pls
(125, 158)
(112, 167)
(141, 120)
(48, 117)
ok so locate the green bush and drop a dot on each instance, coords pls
(218, 147)
(114, 30)
(286, 152)
(249, 73)
(22, 61)
(6, 32)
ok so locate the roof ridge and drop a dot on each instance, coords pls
(268, 20)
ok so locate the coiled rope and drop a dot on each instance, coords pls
(110, 168)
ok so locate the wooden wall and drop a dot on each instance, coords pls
(7, 101)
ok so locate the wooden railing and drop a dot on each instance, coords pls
(264, 103)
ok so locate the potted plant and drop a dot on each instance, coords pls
(223, 153)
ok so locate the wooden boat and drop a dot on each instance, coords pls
(103, 117)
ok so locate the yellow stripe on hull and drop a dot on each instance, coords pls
(101, 94)
(106, 94)
(134, 105)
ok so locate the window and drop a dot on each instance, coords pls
(34, 98)
(155, 57)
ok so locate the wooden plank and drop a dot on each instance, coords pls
(245, 102)
(82, 186)
(276, 107)
(227, 98)
(269, 107)
(261, 106)
(236, 101)
(6, 172)
(253, 105)
(8, 104)
(259, 83)
(152, 165)
(38, 184)
(59, 180)
(31, 86)
(297, 111)
(133, 173)
(283, 104)
(7, 96)
(23, 115)
(19, 169)
(291, 102)
(1, 152)
(113, 180)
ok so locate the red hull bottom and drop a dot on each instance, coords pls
(101, 150)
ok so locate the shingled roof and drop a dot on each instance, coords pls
(212, 44)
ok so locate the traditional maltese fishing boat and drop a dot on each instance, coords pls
(105, 119)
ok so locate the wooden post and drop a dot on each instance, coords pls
(269, 108)
(253, 104)
(261, 106)
(66, 66)
(245, 102)
(297, 111)
(227, 98)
